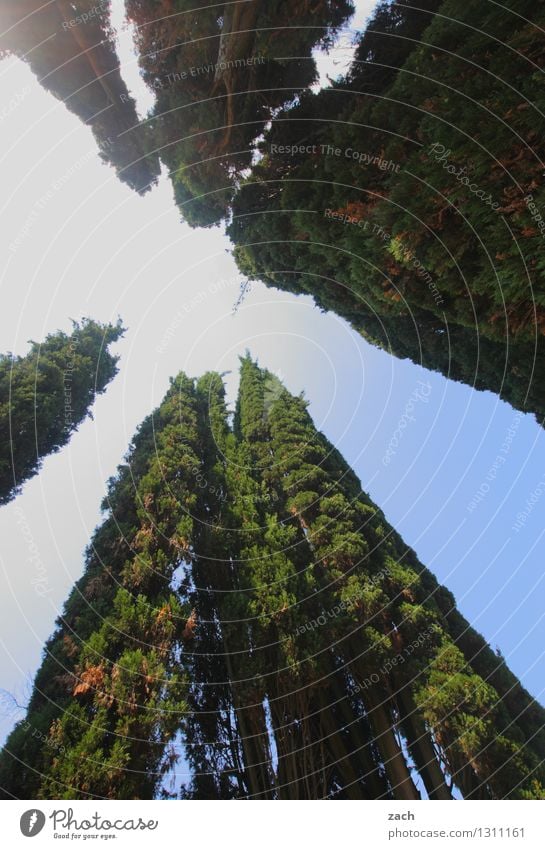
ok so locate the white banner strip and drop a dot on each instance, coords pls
(292, 825)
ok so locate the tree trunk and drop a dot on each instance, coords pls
(362, 752)
(256, 769)
(394, 760)
(342, 757)
(421, 748)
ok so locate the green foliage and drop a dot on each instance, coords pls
(219, 72)
(110, 693)
(70, 47)
(47, 394)
(405, 210)
(472, 726)
(245, 594)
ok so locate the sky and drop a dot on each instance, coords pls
(94, 248)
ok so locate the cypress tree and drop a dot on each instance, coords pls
(218, 73)
(109, 696)
(404, 655)
(246, 594)
(46, 394)
(405, 196)
(217, 748)
(71, 49)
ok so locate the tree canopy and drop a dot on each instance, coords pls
(70, 48)
(247, 607)
(219, 72)
(46, 394)
(405, 197)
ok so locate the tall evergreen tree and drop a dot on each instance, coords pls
(109, 695)
(246, 594)
(437, 157)
(219, 72)
(389, 612)
(70, 47)
(45, 395)
(405, 197)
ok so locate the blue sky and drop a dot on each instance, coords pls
(97, 249)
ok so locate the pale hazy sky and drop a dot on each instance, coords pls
(95, 248)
